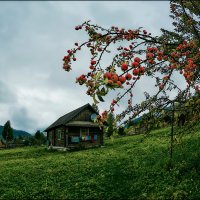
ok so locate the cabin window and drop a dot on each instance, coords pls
(66, 130)
(59, 134)
(75, 139)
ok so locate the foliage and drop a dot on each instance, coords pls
(140, 56)
(39, 138)
(132, 167)
(121, 131)
(111, 124)
(7, 132)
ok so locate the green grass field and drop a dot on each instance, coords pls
(132, 167)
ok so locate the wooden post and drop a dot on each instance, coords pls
(172, 131)
(54, 138)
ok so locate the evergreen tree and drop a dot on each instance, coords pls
(111, 124)
(40, 138)
(7, 133)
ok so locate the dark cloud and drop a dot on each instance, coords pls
(21, 119)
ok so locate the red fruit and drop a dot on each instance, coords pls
(128, 76)
(161, 86)
(107, 75)
(149, 55)
(113, 102)
(135, 64)
(145, 32)
(91, 67)
(196, 87)
(142, 69)
(93, 62)
(114, 78)
(124, 66)
(112, 109)
(119, 83)
(122, 79)
(136, 72)
(76, 44)
(165, 77)
(137, 59)
(68, 51)
(74, 59)
(110, 82)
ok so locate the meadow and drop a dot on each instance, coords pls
(131, 167)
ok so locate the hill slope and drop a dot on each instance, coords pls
(16, 133)
(134, 167)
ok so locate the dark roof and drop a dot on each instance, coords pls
(69, 116)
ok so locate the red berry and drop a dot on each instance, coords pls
(110, 82)
(93, 62)
(128, 76)
(107, 75)
(135, 64)
(114, 78)
(124, 66)
(137, 59)
(136, 72)
(122, 79)
(119, 83)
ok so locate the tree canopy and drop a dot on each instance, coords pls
(7, 132)
(137, 55)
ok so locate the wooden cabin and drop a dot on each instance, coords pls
(76, 129)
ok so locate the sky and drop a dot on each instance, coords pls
(34, 37)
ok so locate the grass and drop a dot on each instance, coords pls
(132, 167)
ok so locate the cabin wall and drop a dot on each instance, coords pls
(85, 115)
(56, 136)
(83, 136)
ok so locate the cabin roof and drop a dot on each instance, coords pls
(69, 116)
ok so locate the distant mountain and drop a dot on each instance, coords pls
(16, 133)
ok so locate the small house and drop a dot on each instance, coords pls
(76, 129)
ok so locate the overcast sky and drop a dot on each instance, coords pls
(34, 37)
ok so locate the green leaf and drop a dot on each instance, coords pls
(100, 98)
(94, 99)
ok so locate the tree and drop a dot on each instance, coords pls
(111, 124)
(7, 132)
(141, 55)
(121, 131)
(40, 138)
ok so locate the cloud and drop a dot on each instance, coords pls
(6, 94)
(20, 118)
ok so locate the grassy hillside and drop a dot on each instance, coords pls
(134, 167)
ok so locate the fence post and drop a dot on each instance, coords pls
(172, 130)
